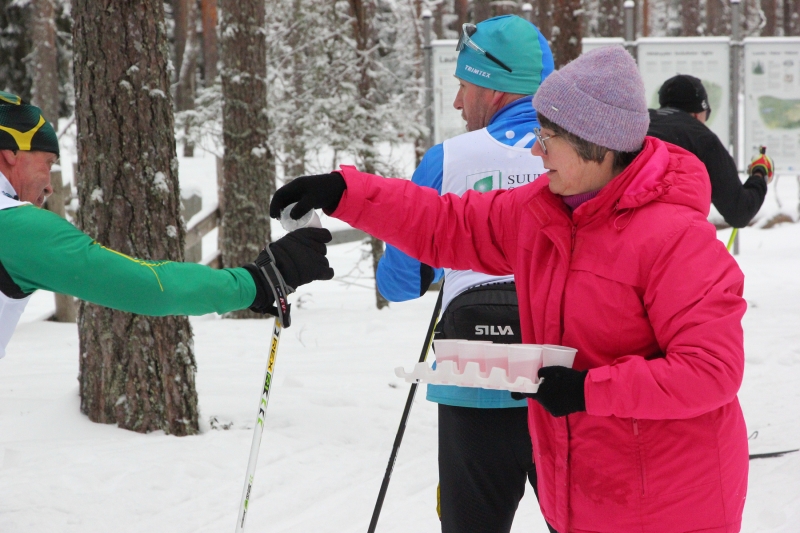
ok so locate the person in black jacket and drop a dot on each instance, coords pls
(681, 121)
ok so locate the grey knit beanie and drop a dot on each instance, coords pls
(598, 97)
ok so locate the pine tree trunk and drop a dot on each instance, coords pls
(135, 371)
(363, 13)
(770, 8)
(44, 76)
(295, 145)
(791, 18)
(565, 41)
(180, 14)
(690, 18)
(376, 249)
(210, 52)
(248, 164)
(645, 8)
(718, 17)
(185, 88)
(481, 10)
(44, 61)
(542, 17)
(461, 10)
(504, 8)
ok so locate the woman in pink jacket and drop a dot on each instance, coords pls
(613, 255)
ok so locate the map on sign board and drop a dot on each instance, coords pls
(772, 100)
(706, 58)
(447, 121)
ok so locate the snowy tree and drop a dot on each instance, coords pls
(603, 18)
(15, 45)
(542, 17)
(208, 11)
(43, 66)
(343, 76)
(18, 55)
(248, 175)
(377, 101)
(187, 52)
(791, 17)
(566, 32)
(135, 371)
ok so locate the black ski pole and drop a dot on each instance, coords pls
(772, 454)
(402, 429)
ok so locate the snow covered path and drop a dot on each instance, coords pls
(331, 420)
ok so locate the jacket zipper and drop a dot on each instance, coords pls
(572, 239)
(564, 294)
(639, 454)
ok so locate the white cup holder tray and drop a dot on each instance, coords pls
(446, 373)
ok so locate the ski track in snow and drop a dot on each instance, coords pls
(331, 421)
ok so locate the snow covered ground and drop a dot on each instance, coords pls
(331, 420)
(332, 417)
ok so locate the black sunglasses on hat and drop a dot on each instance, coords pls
(468, 30)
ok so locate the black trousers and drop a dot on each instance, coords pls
(485, 459)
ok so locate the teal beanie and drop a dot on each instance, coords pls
(518, 44)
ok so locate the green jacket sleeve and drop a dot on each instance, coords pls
(40, 250)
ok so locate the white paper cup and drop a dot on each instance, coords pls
(472, 352)
(524, 360)
(446, 350)
(496, 357)
(555, 355)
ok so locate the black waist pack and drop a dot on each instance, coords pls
(483, 313)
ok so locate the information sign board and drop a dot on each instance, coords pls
(772, 100)
(706, 58)
(590, 43)
(447, 121)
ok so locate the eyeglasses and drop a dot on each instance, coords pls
(468, 30)
(541, 140)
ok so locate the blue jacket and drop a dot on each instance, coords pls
(398, 277)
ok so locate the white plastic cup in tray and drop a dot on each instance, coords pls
(512, 367)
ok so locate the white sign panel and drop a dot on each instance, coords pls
(772, 100)
(706, 58)
(447, 121)
(590, 43)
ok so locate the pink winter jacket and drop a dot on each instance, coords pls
(637, 281)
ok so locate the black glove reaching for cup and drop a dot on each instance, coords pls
(560, 392)
(300, 258)
(322, 191)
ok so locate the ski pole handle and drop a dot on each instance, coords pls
(258, 430)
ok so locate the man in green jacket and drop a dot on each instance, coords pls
(40, 250)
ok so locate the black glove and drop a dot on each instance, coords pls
(561, 391)
(300, 258)
(310, 192)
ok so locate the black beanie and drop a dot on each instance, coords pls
(685, 93)
(22, 126)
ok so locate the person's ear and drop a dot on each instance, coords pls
(9, 157)
(497, 96)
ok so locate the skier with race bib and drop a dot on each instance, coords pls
(40, 250)
(485, 454)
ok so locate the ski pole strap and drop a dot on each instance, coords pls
(280, 290)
